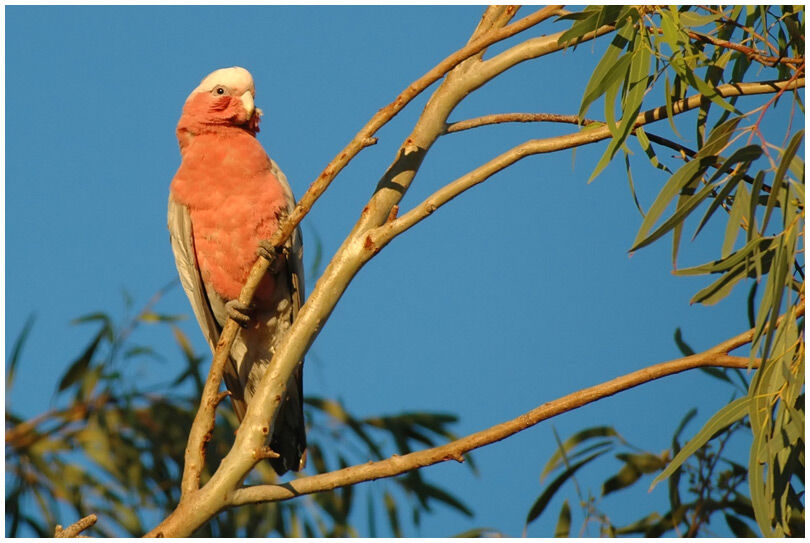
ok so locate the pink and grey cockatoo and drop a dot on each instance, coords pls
(225, 202)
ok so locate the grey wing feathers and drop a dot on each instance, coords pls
(180, 234)
(295, 244)
(289, 437)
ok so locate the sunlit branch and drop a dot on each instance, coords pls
(388, 231)
(715, 357)
(76, 528)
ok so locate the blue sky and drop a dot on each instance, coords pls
(515, 293)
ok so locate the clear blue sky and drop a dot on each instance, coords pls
(514, 294)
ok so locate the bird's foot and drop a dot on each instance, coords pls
(275, 256)
(239, 312)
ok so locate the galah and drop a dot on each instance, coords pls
(225, 202)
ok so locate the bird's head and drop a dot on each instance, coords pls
(223, 98)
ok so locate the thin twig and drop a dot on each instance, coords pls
(76, 528)
(747, 29)
(752, 54)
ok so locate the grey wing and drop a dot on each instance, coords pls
(181, 235)
(294, 244)
(289, 437)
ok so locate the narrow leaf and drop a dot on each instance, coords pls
(563, 528)
(544, 499)
(16, 350)
(77, 369)
(728, 415)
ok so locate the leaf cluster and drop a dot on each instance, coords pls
(736, 167)
(115, 445)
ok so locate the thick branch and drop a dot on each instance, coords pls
(715, 357)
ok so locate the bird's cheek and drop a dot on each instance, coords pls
(220, 104)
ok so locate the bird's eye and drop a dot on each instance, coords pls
(221, 91)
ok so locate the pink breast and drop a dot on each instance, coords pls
(234, 201)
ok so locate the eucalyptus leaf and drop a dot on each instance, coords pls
(726, 416)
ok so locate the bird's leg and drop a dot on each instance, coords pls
(239, 312)
(276, 257)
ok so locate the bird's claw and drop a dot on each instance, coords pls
(239, 312)
(270, 253)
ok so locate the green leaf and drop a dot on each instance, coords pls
(540, 504)
(636, 77)
(436, 493)
(669, 105)
(635, 465)
(609, 72)
(743, 155)
(596, 432)
(677, 218)
(588, 20)
(761, 245)
(647, 147)
(741, 203)
(630, 181)
(393, 515)
(155, 317)
(687, 176)
(563, 528)
(784, 164)
(692, 19)
(79, 366)
(728, 415)
(719, 138)
(738, 527)
(16, 350)
(719, 200)
(671, 188)
(637, 87)
(685, 349)
(759, 499)
(720, 288)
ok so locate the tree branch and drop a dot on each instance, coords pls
(752, 54)
(76, 528)
(498, 118)
(717, 356)
(385, 233)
